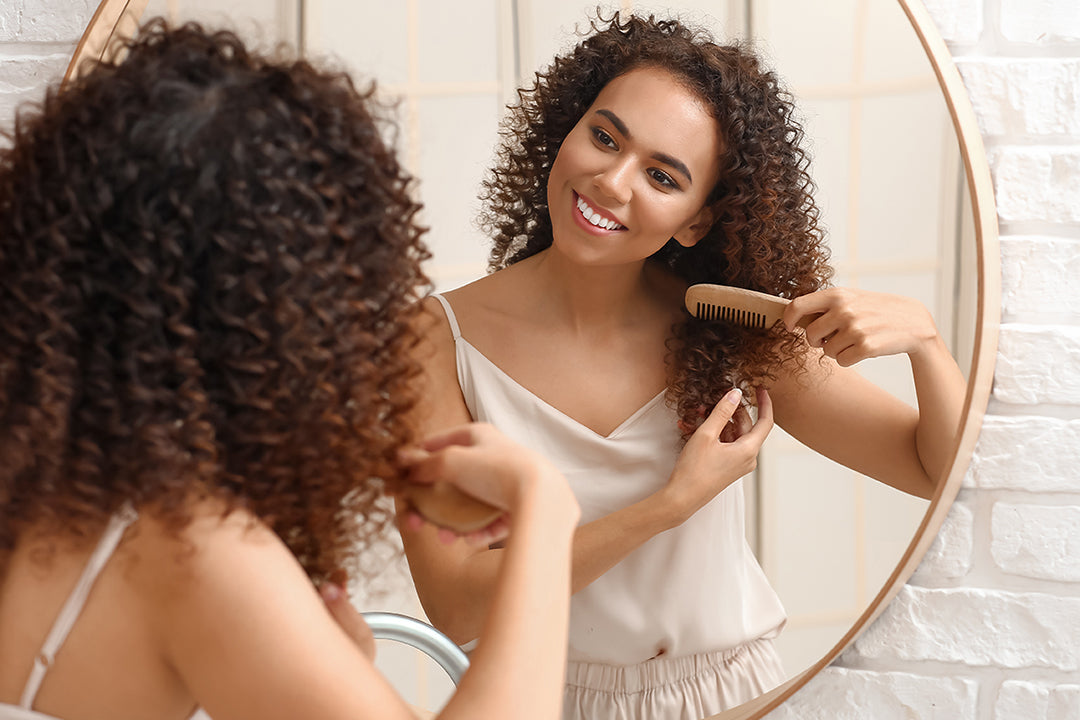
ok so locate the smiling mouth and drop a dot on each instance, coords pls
(596, 218)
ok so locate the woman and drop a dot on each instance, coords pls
(208, 265)
(643, 161)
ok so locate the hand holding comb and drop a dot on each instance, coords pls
(739, 305)
(444, 505)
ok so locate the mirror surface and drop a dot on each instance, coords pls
(890, 185)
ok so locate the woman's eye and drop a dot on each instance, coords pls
(603, 138)
(662, 178)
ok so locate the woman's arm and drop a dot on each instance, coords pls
(529, 605)
(849, 419)
(246, 631)
(250, 637)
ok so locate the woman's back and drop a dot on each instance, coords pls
(111, 659)
(172, 617)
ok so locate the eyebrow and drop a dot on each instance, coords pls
(662, 157)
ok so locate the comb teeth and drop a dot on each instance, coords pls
(709, 311)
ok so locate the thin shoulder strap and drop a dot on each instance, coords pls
(118, 523)
(449, 315)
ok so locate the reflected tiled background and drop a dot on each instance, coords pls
(890, 185)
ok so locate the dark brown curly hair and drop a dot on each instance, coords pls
(765, 236)
(208, 271)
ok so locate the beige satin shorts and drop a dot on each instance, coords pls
(688, 687)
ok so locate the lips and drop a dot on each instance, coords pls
(595, 217)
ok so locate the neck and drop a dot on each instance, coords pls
(587, 297)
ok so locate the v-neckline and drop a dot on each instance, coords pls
(610, 436)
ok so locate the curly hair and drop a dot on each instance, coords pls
(765, 236)
(208, 272)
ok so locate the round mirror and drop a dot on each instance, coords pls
(902, 182)
(895, 179)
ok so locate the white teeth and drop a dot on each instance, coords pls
(596, 218)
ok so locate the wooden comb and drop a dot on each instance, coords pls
(444, 505)
(738, 305)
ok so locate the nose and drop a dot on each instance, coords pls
(614, 182)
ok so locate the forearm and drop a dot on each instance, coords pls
(940, 389)
(518, 668)
(601, 544)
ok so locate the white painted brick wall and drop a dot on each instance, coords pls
(959, 21)
(1036, 541)
(1040, 22)
(1030, 453)
(989, 628)
(1023, 97)
(37, 38)
(23, 78)
(975, 627)
(53, 21)
(1038, 364)
(1037, 701)
(845, 694)
(1037, 183)
(1039, 278)
(950, 555)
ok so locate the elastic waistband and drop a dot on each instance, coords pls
(658, 671)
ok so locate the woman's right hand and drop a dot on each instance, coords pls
(722, 449)
(483, 463)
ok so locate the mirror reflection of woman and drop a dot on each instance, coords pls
(645, 160)
(208, 275)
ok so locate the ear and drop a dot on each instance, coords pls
(694, 230)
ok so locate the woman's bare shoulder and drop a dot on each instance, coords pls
(433, 322)
(170, 564)
(494, 304)
(244, 627)
(488, 291)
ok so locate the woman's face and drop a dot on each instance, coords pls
(635, 171)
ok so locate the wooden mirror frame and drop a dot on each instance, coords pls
(980, 376)
(113, 20)
(116, 19)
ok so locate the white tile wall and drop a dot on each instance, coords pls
(779, 26)
(881, 145)
(262, 23)
(368, 35)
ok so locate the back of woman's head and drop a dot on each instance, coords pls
(207, 260)
(765, 234)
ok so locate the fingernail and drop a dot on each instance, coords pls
(410, 455)
(330, 591)
(734, 396)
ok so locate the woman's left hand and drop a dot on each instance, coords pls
(854, 324)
